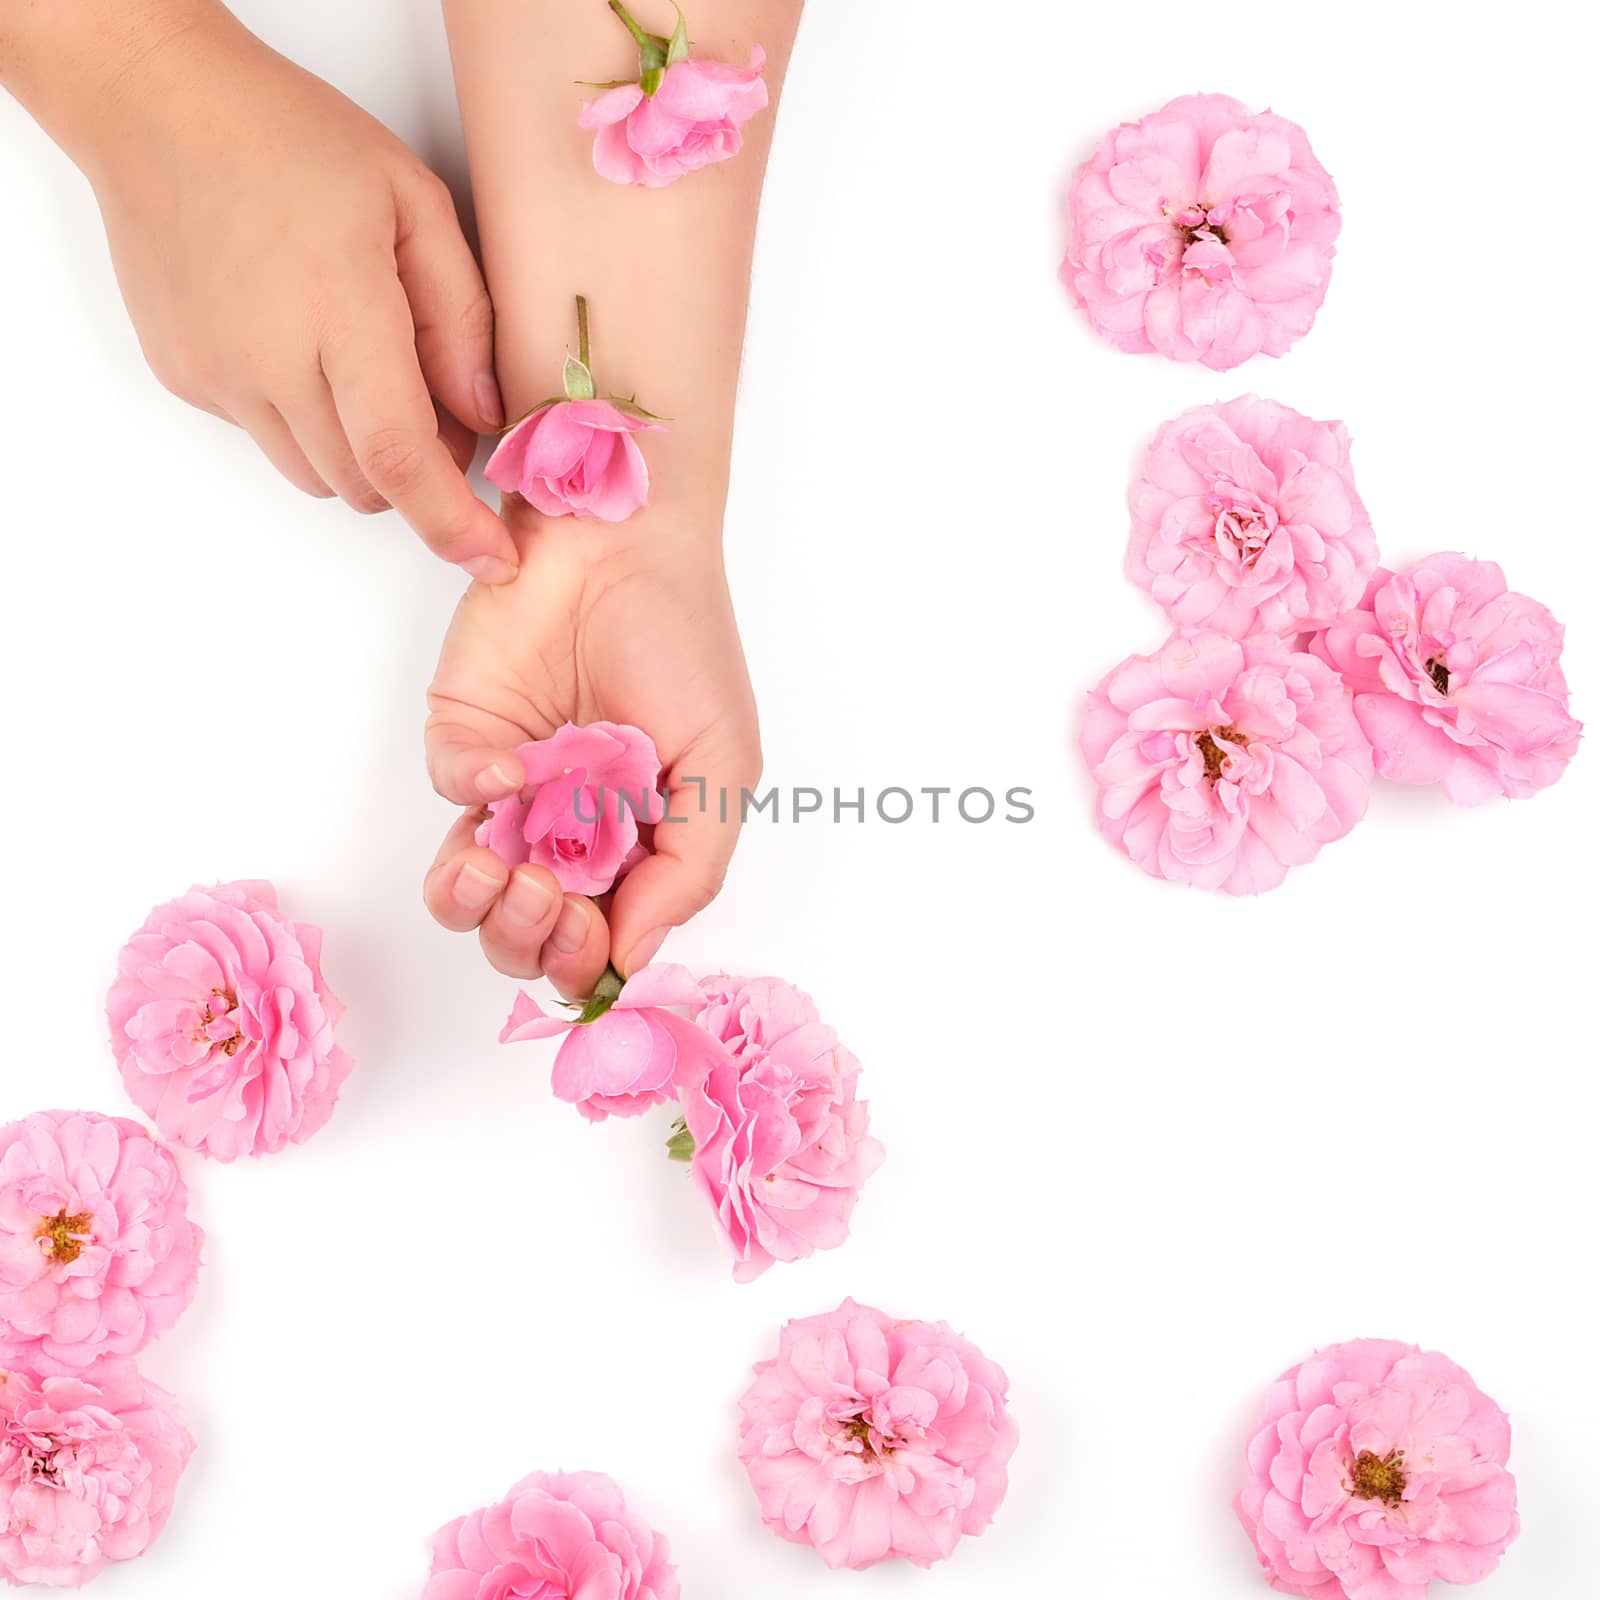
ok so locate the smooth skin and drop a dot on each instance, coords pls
(289, 265)
(630, 623)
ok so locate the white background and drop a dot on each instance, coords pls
(1147, 1146)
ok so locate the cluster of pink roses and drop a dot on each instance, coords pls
(869, 1437)
(224, 1033)
(775, 1136)
(1298, 667)
(97, 1257)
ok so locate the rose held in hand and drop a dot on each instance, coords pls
(681, 115)
(576, 456)
(97, 1252)
(584, 793)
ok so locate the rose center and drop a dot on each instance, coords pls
(1378, 1477)
(572, 849)
(41, 1462)
(218, 1022)
(859, 1428)
(1440, 674)
(1194, 223)
(67, 1235)
(1246, 529)
(1212, 753)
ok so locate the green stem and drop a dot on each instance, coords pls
(583, 330)
(633, 27)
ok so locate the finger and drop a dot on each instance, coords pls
(265, 424)
(388, 417)
(465, 879)
(319, 433)
(450, 307)
(578, 948)
(515, 930)
(459, 439)
(689, 859)
(466, 769)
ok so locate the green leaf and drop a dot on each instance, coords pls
(678, 45)
(604, 996)
(577, 380)
(680, 1147)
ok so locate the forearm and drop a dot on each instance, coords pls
(70, 62)
(666, 271)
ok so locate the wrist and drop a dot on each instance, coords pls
(79, 68)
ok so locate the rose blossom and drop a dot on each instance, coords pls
(871, 1437)
(564, 1536)
(623, 1062)
(694, 119)
(781, 1147)
(1246, 519)
(1204, 231)
(1378, 1468)
(575, 458)
(88, 1468)
(1223, 764)
(97, 1252)
(1457, 680)
(584, 792)
(223, 1026)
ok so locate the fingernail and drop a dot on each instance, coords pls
(644, 951)
(495, 781)
(475, 888)
(487, 393)
(572, 927)
(490, 569)
(527, 901)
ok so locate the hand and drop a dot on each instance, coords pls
(292, 267)
(630, 624)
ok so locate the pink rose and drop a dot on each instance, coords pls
(623, 1062)
(584, 793)
(781, 1147)
(1457, 680)
(575, 458)
(88, 1469)
(97, 1252)
(553, 1537)
(693, 119)
(223, 1026)
(1204, 231)
(1223, 764)
(1378, 1468)
(1246, 519)
(871, 1437)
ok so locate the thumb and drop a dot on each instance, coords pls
(450, 308)
(692, 849)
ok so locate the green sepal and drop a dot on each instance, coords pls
(615, 83)
(577, 380)
(680, 1147)
(631, 408)
(543, 405)
(604, 996)
(678, 44)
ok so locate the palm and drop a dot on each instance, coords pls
(631, 625)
